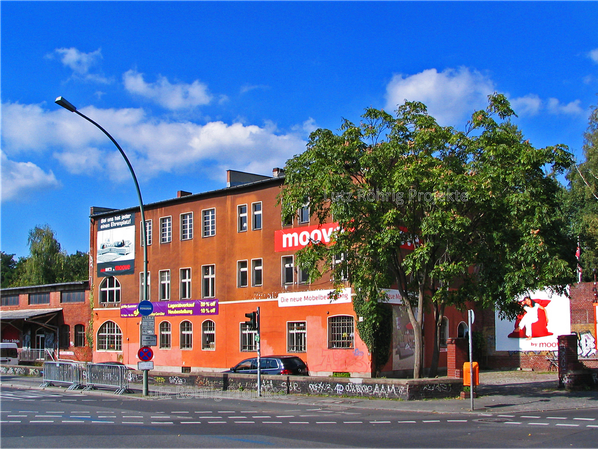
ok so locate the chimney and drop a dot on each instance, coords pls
(277, 172)
(182, 193)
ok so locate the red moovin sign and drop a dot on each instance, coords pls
(297, 238)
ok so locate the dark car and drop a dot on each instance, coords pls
(272, 364)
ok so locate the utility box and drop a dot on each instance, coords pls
(467, 374)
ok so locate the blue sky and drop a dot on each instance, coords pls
(191, 89)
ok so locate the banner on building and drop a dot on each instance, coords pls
(312, 298)
(115, 252)
(193, 307)
(545, 316)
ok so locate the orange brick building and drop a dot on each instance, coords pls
(213, 257)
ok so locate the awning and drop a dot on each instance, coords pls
(25, 314)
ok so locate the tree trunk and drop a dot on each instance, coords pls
(438, 316)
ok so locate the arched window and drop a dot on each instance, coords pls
(165, 335)
(186, 340)
(110, 290)
(462, 330)
(110, 337)
(208, 335)
(341, 332)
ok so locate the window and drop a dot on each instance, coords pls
(304, 214)
(443, 333)
(248, 335)
(208, 223)
(110, 337)
(110, 290)
(256, 216)
(208, 281)
(141, 284)
(185, 290)
(187, 226)
(186, 341)
(339, 260)
(165, 331)
(11, 300)
(165, 229)
(340, 332)
(39, 298)
(288, 273)
(165, 285)
(242, 273)
(256, 273)
(79, 335)
(78, 296)
(64, 336)
(287, 220)
(303, 276)
(242, 218)
(208, 335)
(148, 230)
(462, 330)
(296, 336)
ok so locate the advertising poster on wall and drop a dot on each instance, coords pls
(116, 245)
(545, 315)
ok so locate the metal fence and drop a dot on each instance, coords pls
(33, 355)
(87, 376)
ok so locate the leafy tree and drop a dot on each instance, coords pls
(8, 269)
(582, 199)
(444, 216)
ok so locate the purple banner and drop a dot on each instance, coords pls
(174, 308)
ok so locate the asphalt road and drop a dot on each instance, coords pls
(57, 418)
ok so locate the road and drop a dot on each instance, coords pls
(57, 418)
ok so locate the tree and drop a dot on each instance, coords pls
(443, 216)
(8, 269)
(582, 199)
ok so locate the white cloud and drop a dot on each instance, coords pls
(594, 55)
(527, 105)
(81, 63)
(21, 179)
(554, 106)
(451, 95)
(153, 146)
(168, 95)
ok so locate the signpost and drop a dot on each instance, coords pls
(471, 319)
(145, 354)
(145, 308)
(149, 340)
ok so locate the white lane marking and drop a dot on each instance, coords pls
(298, 422)
(512, 422)
(40, 420)
(539, 424)
(244, 422)
(216, 422)
(285, 416)
(133, 422)
(506, 416)
(555, 417)
(161, 422)
(191, 422)
(328, 422)
(530, 417)
(456, 420)
(592, 425)
(406, 422)
(379, 422)
(352, 422)
(132, 416)
(261, 416)
(567, 425)
(271, 422)
(430, 420)
(584, 419)
(16, 416)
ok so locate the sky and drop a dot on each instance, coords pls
(191, 89)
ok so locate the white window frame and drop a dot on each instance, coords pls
(186, 336)
(256, 216)
(255, 268)
(247, 336)
(166, 229)
(304, 214)
(205, 344)
(284, 267)
(148, 230)
(164, 285)
(149, 286)
(341, 332)
(211, 279)
(187, 226)
(242, 218)
(165, 335)
(296, 333)
(242, 274)
(302, 276)
(338, 259)
(208, 216)
(110, 291)
(186, 283)
(109, 334)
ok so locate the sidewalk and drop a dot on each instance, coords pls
(499, 392)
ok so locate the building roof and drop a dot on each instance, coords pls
(25, 314)
(62, 286)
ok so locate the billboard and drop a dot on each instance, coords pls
(192, 307)
(544, 316)
(115, 252)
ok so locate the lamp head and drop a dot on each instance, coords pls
(65, 104)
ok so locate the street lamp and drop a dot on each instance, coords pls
(68, 106)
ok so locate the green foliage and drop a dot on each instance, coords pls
(375, 328)
(444, 216)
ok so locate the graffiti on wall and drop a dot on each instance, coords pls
(586, 344)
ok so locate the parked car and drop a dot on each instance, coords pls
(272, 364)
(113, 363)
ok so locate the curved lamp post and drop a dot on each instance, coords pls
(68, 106)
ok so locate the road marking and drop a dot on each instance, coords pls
(379, 422)
(132, 416)
(555, 417)
(585, 419)
(226, 411)
(160, 417)
(568, 425)
(430, 420)
(512, 422)
(352, 422)
(531, 417)
(40, 420)
(178, 412)
(406, 422)
(456, 420)
(216, 422)
(298, 422)
(244, 422)
(539, 424)
(101, 421)
(71, 421)
(261, 416)
(162, 422)
(592, 425)
(285, 416)
(327, 422)
(271, 422)
(17, 416)
(133, 422)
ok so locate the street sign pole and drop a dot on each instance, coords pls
(259, 365)
(471, 319)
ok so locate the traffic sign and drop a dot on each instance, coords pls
(145, 366)
(148, 326)
(145, 354)
(149, 340)
(145, 308)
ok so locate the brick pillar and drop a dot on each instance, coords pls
(568, 359)
(456, 356)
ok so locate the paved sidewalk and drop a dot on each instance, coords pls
(499, 392)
